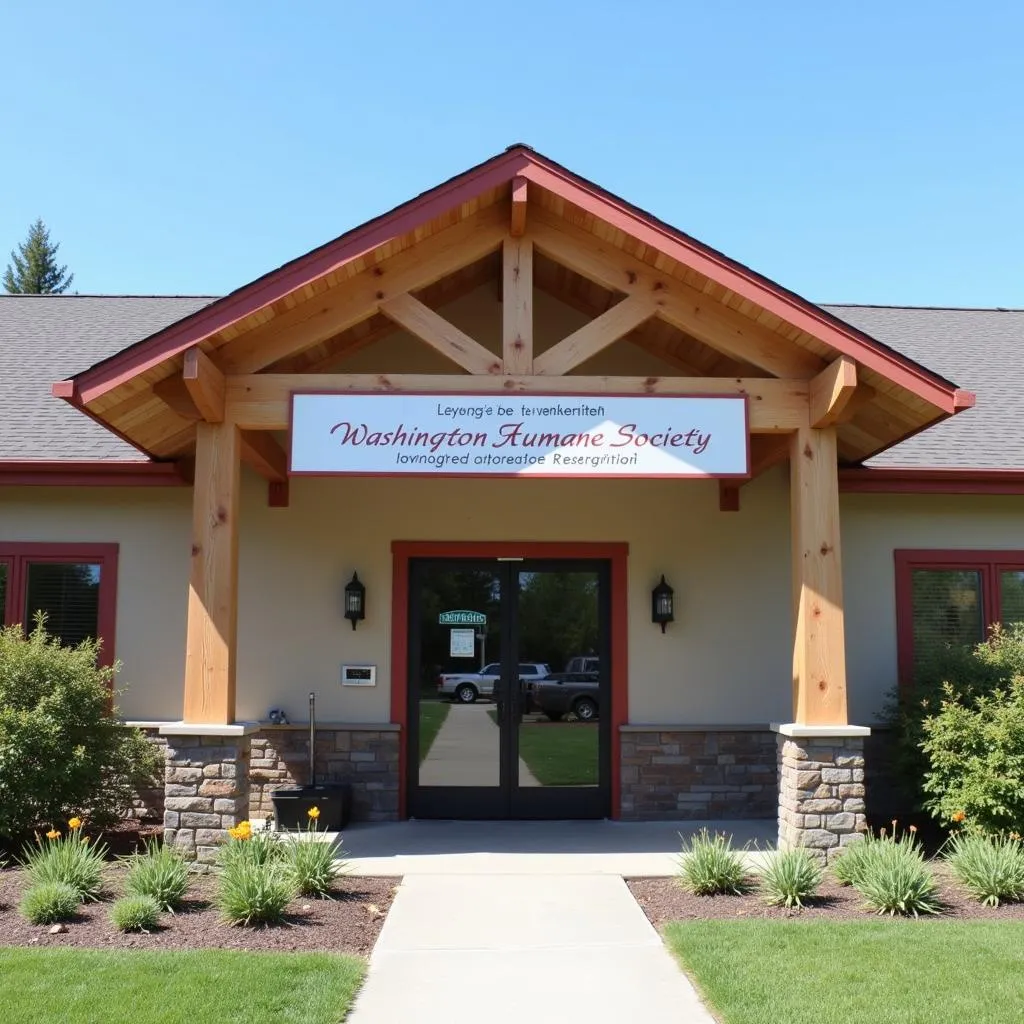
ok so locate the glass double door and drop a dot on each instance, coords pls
(509, 689)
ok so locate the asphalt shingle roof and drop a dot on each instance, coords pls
(49, 338)
(45, 338)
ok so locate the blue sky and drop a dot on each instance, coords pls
(869, 152)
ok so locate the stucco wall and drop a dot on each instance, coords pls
(726, 660)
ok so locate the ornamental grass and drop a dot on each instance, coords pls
(893, 877)
(160, 873)
(990, 868)
(791, 879)
(312, 860)
(50, 903)
(135, 914)
(70, 858)
(709, 866)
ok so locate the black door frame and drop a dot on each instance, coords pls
(509, 800)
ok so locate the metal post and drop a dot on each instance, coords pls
(312, 739)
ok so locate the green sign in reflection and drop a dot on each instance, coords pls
(462, 618)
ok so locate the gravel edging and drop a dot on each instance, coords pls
(348, 923)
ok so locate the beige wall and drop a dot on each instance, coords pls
(725, 660)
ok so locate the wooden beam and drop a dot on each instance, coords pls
(592, 338)
(832, 390)
(440, 334)
(728, 496)
(517, 305)
(205, 384)
(679, 304)
(264, 454)
(360, 296)
(261, 401)
(518, 222)
(213, 587)
(819, 656)
(174, 393)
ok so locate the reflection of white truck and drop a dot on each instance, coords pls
(465, 687)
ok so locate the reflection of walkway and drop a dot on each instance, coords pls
(466, 751)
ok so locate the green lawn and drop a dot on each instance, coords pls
(432, 716)
(38, 986)
(818, 972)
(560, 753)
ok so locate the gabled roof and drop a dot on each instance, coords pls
(43, 338)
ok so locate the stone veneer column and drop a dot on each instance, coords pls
(821, 788)
(206, 791)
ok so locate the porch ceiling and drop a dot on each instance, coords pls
(714, 317)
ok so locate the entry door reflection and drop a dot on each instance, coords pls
(558, 733)
(459, 738)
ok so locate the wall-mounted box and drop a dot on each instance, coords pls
(358, 675)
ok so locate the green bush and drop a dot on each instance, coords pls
(965, 674)
(710, 866)
(975, 752)
(135, 914)
(160, 874)
(791, 878)
(312, 862)
(70, 859)
(50, 902)
(991, 868)
(61, 747)
(248, 847)
(249, 893)
(894, 878)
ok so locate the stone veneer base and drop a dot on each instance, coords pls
(821, 793)
(669, 773)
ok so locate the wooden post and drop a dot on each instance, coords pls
(819, 654)
(517, 305)
(213, 587)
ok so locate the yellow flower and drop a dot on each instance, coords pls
(1015, 836)
(959, 816)
(53, 834)
(75, 823)
(243, 830)
(313, 812)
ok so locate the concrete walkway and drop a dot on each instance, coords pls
(522, 949)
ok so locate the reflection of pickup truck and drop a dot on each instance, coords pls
(565, 692)
(465, 687)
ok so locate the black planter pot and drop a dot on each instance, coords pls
(334, 800)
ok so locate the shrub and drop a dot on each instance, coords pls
(894, 879)
(50, 902)
(250, 893)
(160, 874)
(791, 877)
(975, 752)
(966, 675)
(70, 858)
(848, 868)
(135, 914)
(61, 746)
(710, 866)
(990, 868)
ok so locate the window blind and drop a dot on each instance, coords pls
(67, 593)
(948, 609)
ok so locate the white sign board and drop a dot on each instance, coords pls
(463, 643)
(519, 435)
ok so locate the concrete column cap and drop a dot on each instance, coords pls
(197, 729)
(798, 730)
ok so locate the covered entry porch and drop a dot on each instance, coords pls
(515, 280)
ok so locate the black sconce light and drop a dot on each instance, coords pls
(355, 600)
(661, 604)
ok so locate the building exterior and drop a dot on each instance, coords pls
(207, 512)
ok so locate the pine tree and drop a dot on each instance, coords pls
(33, 268)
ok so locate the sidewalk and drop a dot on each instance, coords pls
(522, 949)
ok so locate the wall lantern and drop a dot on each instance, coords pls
(661, 604)
(355, 600)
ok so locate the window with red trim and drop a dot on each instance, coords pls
(74, 585)
(952, 599)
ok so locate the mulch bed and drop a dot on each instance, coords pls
(348, 923)
(663, 900)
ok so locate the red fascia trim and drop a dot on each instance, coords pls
(863, 480)
(220, 314)
(617, 553)
(748, 284)
(18, 554)
(33, 473)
